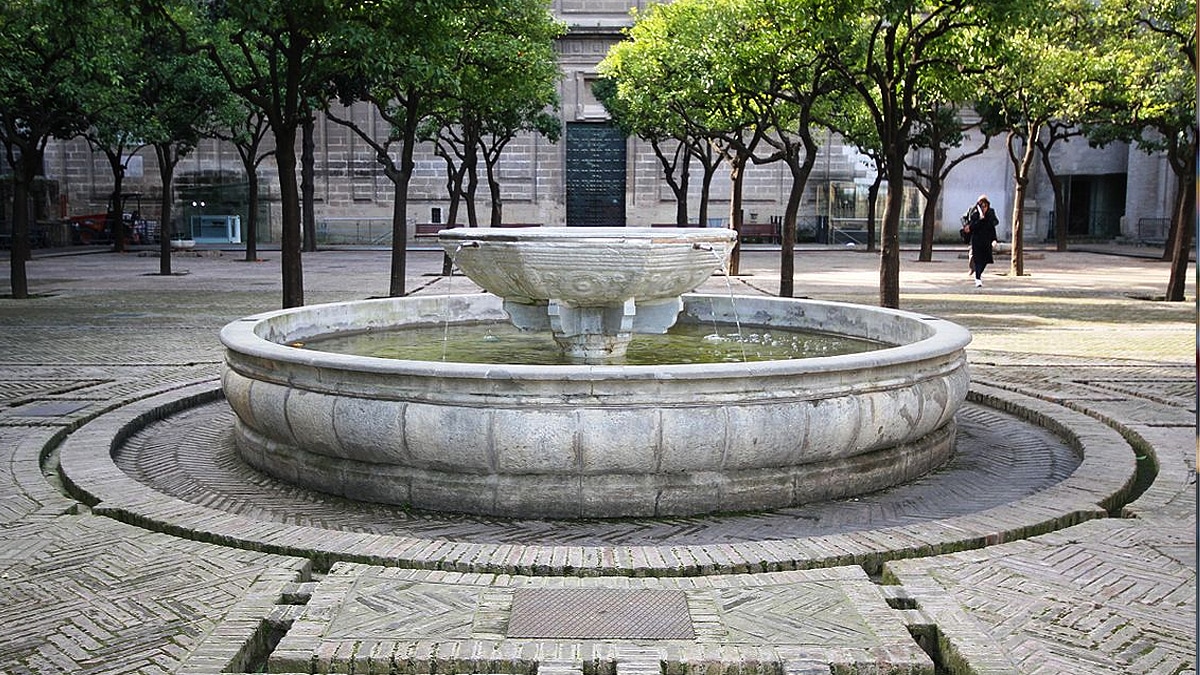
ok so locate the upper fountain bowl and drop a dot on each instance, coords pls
(591, 288)
(588, 267)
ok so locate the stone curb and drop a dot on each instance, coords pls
(1101, 483)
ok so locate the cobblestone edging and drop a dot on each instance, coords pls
(1098, 486)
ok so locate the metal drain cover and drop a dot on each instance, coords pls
(600, 613)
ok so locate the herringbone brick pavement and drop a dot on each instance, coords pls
(91, 595)
(1097, 599)
(88, 594)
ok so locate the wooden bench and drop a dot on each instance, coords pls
(428, 229)
(760, 232)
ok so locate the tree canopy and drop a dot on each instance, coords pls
(1150, 46)
(744, 81)
(58, 57)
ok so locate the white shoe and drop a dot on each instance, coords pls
(978, 283)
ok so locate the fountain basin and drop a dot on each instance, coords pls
(591, 288)
(595, 440)
(588, 267)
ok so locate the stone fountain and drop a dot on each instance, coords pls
(594, 439)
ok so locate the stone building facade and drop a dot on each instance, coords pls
(593, 176)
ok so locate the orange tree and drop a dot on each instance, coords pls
(55, 60)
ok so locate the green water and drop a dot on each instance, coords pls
(503, 343)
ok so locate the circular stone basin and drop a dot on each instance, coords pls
(588, 267)
(584, 441)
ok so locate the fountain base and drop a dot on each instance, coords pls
(598, 495)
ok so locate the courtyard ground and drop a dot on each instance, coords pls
(107, 569)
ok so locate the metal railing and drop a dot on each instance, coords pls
(1153, 231)
(356, 231)
(845, 231)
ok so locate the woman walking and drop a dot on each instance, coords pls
(981, 225)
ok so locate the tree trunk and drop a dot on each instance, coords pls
(735, 214)
(933, 197)
(787, 255)
(251, 230)
(787, 248)
(681, 194)
(1181, 249)
(1021, 180)
(307, 185)
(705, 194)
(399, 267)
(116, 223)
(929, 220)
(889, 236)
(27, 168)
(497, 205)
(872, 210)
(454, 187)
(685, 181)
(471, 164)
(1168, 254)
(679, 161)
(1060, 204)
(166, 175)
(289, 253)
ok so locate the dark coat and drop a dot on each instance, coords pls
(983, 233)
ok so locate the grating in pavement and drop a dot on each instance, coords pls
(600, 613)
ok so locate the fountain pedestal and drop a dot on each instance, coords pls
(595, 334)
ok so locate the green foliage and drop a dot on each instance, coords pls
(678, 71)
(400, 49)
(1049, 69)
(181, 91)
(508, 71)
(58, 56)
(1149, 50)
(280, 56)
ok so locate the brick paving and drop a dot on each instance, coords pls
(104, 574)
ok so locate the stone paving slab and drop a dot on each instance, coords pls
(90, 595)
(366, 619)
(1096, 600)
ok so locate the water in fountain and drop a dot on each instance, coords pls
(501, 342)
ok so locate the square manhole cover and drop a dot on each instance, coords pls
(600, 613)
